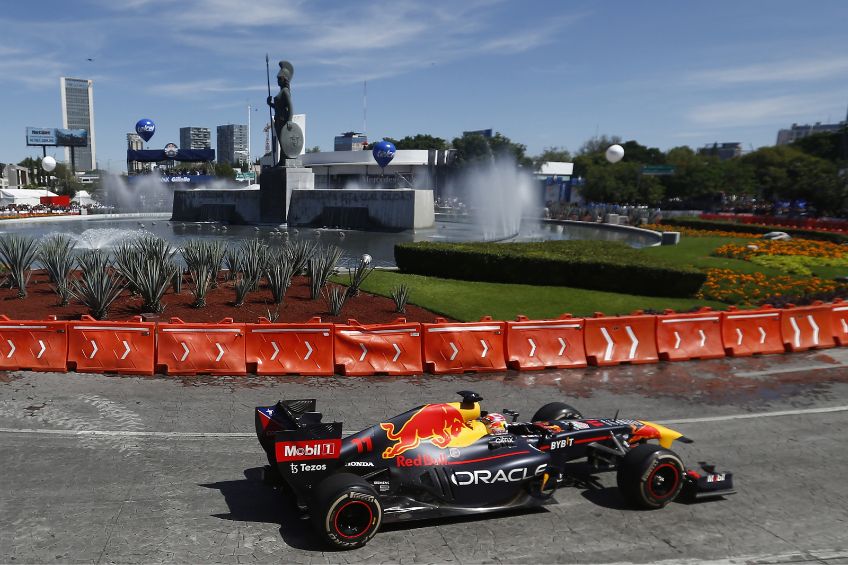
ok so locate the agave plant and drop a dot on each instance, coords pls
(335, 296)
(147, 265)
(400, 294)
(254, 258)
(17, 254)
(201, 276)
(358, 274)
(56, 255)
(299, 253)
(232, 261)
(243, 285)
(99, 285)
(279, 272)
(320, 266)
(207, 252)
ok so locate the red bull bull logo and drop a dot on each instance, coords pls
(437, 423)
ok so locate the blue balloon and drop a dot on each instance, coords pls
(384, 152)
(145, 128)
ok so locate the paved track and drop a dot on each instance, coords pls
(121, 469)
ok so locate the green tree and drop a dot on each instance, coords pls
(555, 154)
(473, 148)
(419, 141)
(315, 149)
(635, 152)
(225, 171)
(831, 147)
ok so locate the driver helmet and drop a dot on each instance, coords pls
(495, 423)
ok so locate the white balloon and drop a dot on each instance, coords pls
(48, 163)
(615, 153)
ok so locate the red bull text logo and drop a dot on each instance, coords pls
(437, 423)
(422, 460)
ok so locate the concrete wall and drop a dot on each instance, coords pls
(203, 205)
(394, 209)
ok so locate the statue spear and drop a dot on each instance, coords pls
(270, 117)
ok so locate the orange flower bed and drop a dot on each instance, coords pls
(731, 287)
(797, 247)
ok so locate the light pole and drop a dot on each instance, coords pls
(248, 137)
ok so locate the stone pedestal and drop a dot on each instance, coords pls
(275, 188)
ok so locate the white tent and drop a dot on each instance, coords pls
(22, 196)
(83, 198)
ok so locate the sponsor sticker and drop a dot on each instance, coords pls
(422, 460)
(308, 449)
(562, 443)
(486, 477)
(306, 467)
(359, 464)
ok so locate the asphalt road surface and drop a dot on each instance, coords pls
(105, 469)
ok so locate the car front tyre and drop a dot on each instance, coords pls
(346, 511)
(650, 477)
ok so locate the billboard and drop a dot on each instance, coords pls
(57, 136)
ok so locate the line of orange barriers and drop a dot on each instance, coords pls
(137, 347)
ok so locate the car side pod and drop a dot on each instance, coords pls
(706, 484)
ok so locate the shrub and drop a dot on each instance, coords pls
(99, 285)
(717, 225)
(320, 266)
(335, 296)
(17, 254)
(400, 294)
(279, 272)
(56, 254)
(300, 252)
(595, 265)
(147, 265)
(201, 275)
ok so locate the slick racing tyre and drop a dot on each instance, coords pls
(650, 476)
(556, 411)
(346, 511)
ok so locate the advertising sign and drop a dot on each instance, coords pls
(57, 136)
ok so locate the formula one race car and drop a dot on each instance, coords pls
(452, 459)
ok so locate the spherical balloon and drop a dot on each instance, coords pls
(615, 153)
(145, 128)
(48, 164)
(383, 152)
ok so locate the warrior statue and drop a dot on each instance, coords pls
(288, 133)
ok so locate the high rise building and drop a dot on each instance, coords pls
(350, 141)
(135, 143)
(800, 131)
(232, 143)
(195, 138)
(78, 113)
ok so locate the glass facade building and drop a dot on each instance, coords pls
(232, 143)
(78, 113)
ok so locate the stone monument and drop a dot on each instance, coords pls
(277, 182)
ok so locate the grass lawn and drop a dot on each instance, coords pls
(468, 301)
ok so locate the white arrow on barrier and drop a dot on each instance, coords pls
(364, 352)
(635, 345)
(485, 347)
(676, 340)
(43, 349)
(309, 350)
(185, 348)
(610, 344)
(703, 337)
(397, 349)
(220, 352)
(126, 350)
(797, 332)
(12, 345)
(561, 349)
(94, 350)
(532, 347)
(276, 350)
(739, 333)
(455, 351)
(815, 328)
(762, 334)
(844, 326)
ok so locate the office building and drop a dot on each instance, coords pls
(195, 138)
(796, 131)
(232, 144)
(723, 151)
(350, 141)
(134, 143)
(78, 113)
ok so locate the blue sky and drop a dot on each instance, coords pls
(544, 73)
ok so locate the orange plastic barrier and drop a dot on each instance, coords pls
(192, 349)
(807, 327)
(287, 349)
(115, 347)
(540, 344)
(751, 332)
(695, 335)
(391, 349)
(33, 345)
(454, 347)
(839, 317)
(611, 340)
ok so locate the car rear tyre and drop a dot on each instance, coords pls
(346, 511)
(650, 476)
(556, 411)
